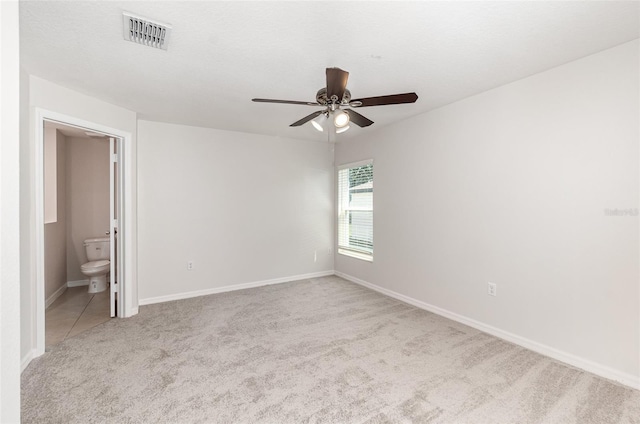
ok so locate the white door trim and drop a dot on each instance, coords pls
(116, 205)
(129, 239)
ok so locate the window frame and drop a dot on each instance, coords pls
(351, 252)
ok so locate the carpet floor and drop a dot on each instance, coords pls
(321, 351)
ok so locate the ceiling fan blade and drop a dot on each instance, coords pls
(288, 102)
(307, 118)
(336, 83)
(358, 119)
(393, 99)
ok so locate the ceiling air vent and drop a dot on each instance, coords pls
(145, 31)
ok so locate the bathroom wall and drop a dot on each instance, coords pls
(87, 202)
(55, 232)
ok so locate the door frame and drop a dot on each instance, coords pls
(126, 298)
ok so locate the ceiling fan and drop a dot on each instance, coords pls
(335, 97)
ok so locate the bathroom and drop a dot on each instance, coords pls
(76, 209)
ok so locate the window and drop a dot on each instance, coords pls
(355, 210)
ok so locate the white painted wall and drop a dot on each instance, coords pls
(55, 233)
(27, 235)
(511, 186)
(9, 215)
(87, 182)
(244, 207)
(51, 97)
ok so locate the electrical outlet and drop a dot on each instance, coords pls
(189, 265)
(492, 289)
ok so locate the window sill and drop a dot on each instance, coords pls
(357, 255)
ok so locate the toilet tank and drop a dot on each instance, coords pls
(97, 248)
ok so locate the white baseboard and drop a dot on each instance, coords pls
(77, 283)
(27, 359)
(54, 296)
(568, 358)
(214, 290)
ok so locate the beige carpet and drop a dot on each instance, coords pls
(321, 350)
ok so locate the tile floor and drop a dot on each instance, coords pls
(74, 312)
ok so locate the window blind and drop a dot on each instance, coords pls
(355, 210)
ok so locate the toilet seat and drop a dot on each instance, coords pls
(96, 266)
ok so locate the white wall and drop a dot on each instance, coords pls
(87, 182)
(9, 217)
(511, 186)
(51, 97)
(244, 207)
(26, 233)
(55, 233)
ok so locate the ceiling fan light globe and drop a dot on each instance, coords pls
(343, 129)
(317, 126)
(341, 119)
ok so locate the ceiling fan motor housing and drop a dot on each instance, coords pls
(322, 99)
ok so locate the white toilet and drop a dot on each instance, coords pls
(98, 253)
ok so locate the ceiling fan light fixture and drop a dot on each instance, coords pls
(343, 129)
(317, 125)
(318, 122)
(341, 119)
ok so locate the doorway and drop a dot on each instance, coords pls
(80, 197)
(98, 301)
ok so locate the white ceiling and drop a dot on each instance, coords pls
(222, 54)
